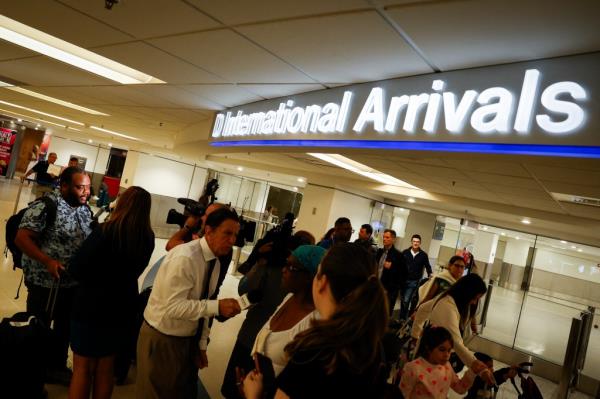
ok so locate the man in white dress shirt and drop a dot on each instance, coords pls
(169, 353)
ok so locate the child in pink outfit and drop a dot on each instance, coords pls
(431, 376)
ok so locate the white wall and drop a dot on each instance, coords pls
(64, 148)
(418, 223)
(484, 246)
(198, 183)
(102, 162)
(162, 176)
(130, 169)
(314, 211)
(355, 208)
(567, 265)
(516, 252)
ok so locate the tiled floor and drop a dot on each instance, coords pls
(542, 316)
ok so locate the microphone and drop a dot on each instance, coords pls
(249, 299)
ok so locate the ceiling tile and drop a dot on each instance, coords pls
(147, 18)
(582, 210)
(227, 95)
(231, 56)
(242, 11)
(44, 71)
(567, 175)
(332, 49)
(157, 63)
(9, 51)
(175, 95)
(59, 20)
(280, 90)
(468, 34)
(489, 166)
(499, 178)
(574, 189)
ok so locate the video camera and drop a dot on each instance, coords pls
(193, 207)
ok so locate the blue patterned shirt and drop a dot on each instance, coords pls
(60, 241)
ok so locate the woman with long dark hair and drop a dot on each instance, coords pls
(339, 355)
(107, 268)
(451, 310)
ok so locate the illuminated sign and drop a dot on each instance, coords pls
(542, 102)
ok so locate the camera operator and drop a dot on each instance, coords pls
(263, 271)
(192, 228)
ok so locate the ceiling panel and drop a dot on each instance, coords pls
(485, 32)
(576, 176)
(227, 95)
(242, 11)
(498, 178)
(147, 18)
(44, 71)
(157, 63)
(575, 189)
(582, 210)
(175, 95)
(508, 190)
(489, 166)
(9, 51)
(63, 22)
(280, 90)
(332, 49)
(229, 55)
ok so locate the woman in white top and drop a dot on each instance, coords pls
(441, 282)
(451, 310)
(297, 310)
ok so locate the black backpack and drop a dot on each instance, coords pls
(13, 222)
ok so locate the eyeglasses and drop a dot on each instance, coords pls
(294, 268)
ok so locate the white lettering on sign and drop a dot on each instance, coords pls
(495, 110)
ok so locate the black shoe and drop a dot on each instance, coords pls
(59, 376)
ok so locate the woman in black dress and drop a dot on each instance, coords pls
(107, 268)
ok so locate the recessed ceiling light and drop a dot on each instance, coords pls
(526, 221)
(110, 144)
(90, 141)
(115, 133)
(52, 99)
(485, 227)
(19, 120)
(411, 200)
(573, 247)
(517, 238)
(40, 112)
(295, 188)
(563, 242)
(43, 43)
(580, 250)
(301, 180)
(503, 234)
(239, 168)
(401, 209)
(363, 170)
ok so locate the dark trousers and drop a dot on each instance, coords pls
(392, 295)
(409, 289)
(37, 302)
(240, 357)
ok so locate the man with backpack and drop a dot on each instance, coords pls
(49, 235)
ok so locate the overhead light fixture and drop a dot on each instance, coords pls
(40, 112)
(48, 45)
(51, 99)
(573, 247)
(110, 144)
(580, 250)
(485, 227)
(301, 180)
(37, 119)
(295, 188)
(517, 238)
(503, 234)
(563, 242)
(115, 133)
(363, 170)
(90, 141)
(526, 221)
(239, 168)
(411, 200)
(401, 209)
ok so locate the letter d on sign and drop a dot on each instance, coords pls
(219, 122)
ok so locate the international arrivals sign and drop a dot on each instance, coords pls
(546, 102)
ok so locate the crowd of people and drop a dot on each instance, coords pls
(317, 317)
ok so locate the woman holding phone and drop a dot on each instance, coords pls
(339, 355)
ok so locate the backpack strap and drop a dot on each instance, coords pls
(51, 208)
